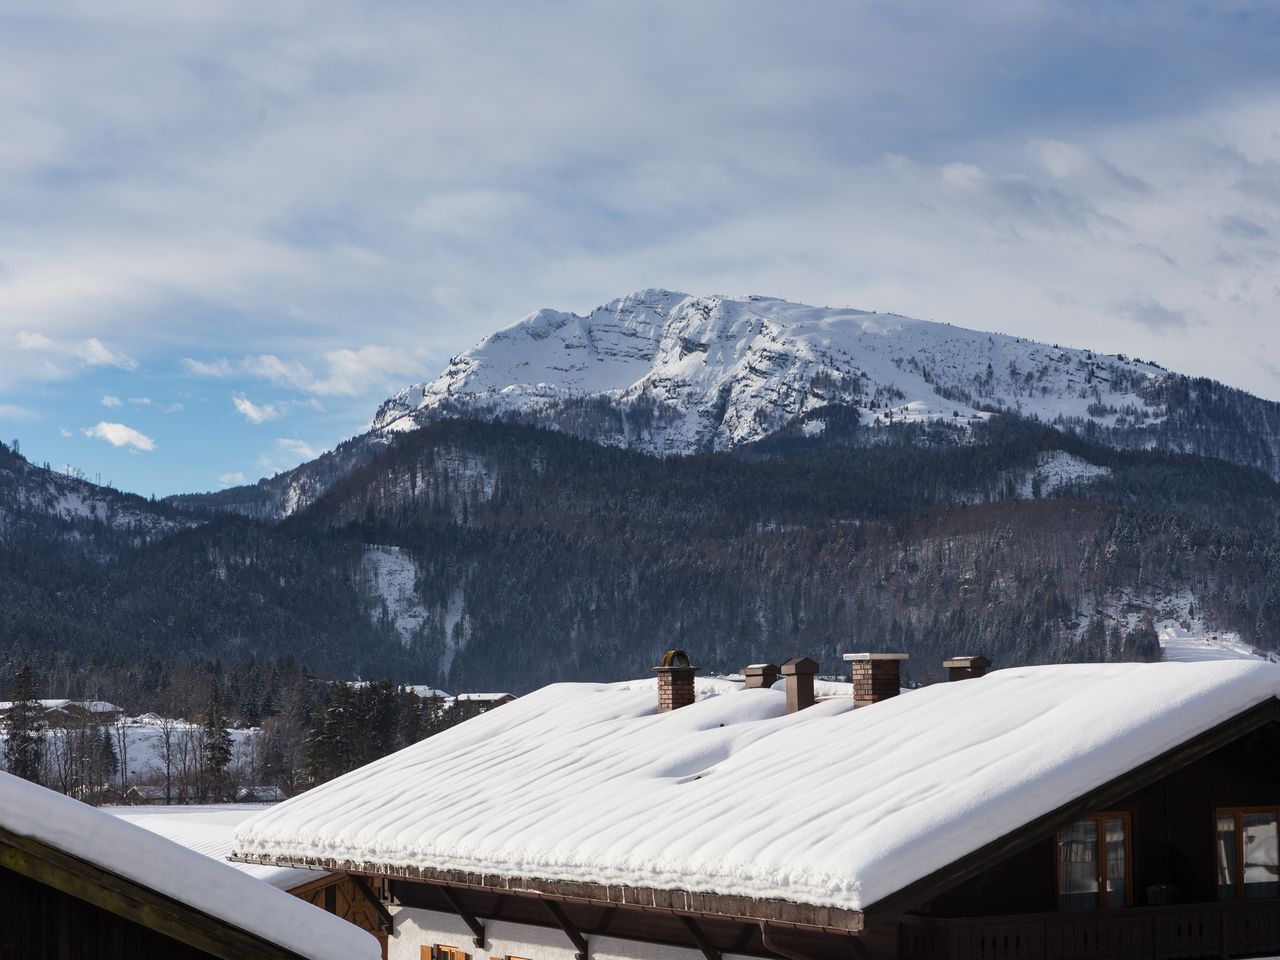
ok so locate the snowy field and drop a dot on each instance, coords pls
(210, 829)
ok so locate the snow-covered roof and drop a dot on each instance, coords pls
(829, 806)
(151, 861)
(482, 696)
(210, 830)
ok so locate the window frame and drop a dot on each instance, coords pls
(442, 951)
(1238, 811)
(1100, 858)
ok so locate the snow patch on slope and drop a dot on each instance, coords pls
(1057, 469)
(392, 577)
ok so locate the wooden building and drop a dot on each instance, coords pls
(78, 884)
(1125, 811)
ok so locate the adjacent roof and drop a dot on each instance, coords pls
(830, 807)
(216, 889)
(210, 830)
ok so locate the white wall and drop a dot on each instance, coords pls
(418, 928)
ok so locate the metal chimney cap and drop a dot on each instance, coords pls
(877, 656)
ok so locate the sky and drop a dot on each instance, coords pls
(229, 230)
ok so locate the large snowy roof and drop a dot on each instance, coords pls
(153, 862)
(829, 807)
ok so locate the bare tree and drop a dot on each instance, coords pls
(122, 752)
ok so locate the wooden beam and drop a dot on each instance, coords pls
(187, 924)
(575, 936)
(388, 922)
(700, 938)
(886, 910)
(469, 918)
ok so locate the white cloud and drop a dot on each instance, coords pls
(298, 447)
(231, 479)
(63, 431)
(255, 413)
(140, 401)
(174, 408)
(119, 435)
(343, 372)
(13, 411)
(219, 367)
(110, 401)
(62, 356)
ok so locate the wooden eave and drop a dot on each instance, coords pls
(910, 897)
(781, 913)
(59, 870)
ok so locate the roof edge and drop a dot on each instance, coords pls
(686, 902)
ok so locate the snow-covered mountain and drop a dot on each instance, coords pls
(671, 373)
(40, 504)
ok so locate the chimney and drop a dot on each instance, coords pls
(760, 675)
(965, 668)
(876, 676)
(675, 681)
(799, 672)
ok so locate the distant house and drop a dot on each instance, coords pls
(477, 703)
(77, 882)
(155, 794)
(61, 712)
(1103, 811)
(259, 793)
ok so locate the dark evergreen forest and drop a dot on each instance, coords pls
(543, 557)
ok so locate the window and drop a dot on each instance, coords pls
(1093, 863)
(1248, 865)
(441, 952)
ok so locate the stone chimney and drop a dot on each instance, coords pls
(761, 675)
(876, 676)
(799, 672)
(966, 668)
(675, 681)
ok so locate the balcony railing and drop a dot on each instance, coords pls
(1249, 928)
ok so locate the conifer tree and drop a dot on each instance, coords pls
(24, 747)
(217, 745)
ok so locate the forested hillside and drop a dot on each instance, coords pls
(488, 556)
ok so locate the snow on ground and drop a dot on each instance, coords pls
(168, 868)
(209, 830)
(1180, 644)
(599, 787)
(392, 575)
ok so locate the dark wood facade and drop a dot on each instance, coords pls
(1010, 910)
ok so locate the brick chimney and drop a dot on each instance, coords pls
(966, 668)
(876, 676)
(761, 675)
(675, 681)
(799, 672)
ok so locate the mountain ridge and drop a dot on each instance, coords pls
(669, 373)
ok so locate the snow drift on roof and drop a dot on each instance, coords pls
(830, 806)
(214, 888)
